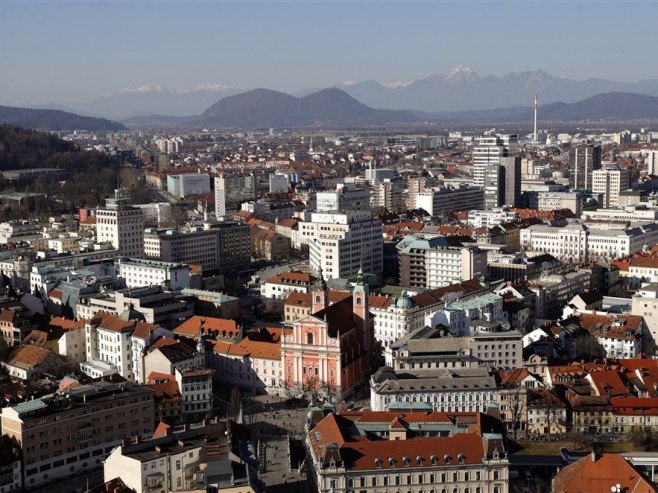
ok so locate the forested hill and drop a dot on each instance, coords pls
(21, 148)
(55, 120)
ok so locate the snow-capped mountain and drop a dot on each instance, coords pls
(461, 88)
(155, 99)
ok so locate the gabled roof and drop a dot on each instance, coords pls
(610, 383)
(297, 278)
(28, 356)
(175, 352)
(107, 321)
(599, 474)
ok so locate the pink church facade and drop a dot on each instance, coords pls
(330, 350)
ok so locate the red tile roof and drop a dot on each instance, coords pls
(599, 475)
(28, 356)
(334, 438)
(635, 405)
(294, 277)
(219, 327)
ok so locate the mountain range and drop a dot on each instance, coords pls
(151, 99)
(54, 120)
(462, 89)
(267, 108)
(334, 108)
(612, 106)
(459, 89)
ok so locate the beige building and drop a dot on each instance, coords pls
(645, 304)
(415, 452)
(69, 432)
(609, 181)
(122, 225)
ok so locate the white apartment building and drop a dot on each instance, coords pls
(609, 181)
(652, 162)
(343, 243)
(139, 273)
(621, 336)
(233, 189)
(279, 287)
(122, 225)
(445, 266)
(438, 200)
(645, 304)
(346, 197)
(387, 194)
(254, 362)
(489, 150)
(222, 246)
(17, 231)
(174, 468)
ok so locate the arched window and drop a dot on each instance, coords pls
(309, 338)
(358, 301)
(317, 299)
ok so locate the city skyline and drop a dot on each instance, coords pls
(56, 52)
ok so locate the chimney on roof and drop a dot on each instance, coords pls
(593, 455)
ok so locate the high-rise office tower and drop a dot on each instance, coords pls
(585, 159)
(609, 181)
(497, 167)
(233, 189)
(121, 224)
(511, 166)
(343, 237)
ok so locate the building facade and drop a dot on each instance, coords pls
(69, 432)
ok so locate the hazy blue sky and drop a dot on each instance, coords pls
(54, 51)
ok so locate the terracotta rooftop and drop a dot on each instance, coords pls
(598, 474)
(219, 327)
(28, 356)
(335, 438)
(297, 278)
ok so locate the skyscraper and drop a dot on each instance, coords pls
(511, 166)
(495, 169)
(585, 159)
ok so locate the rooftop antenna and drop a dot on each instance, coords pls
(534, 135)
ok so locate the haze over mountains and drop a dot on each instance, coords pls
(152, 99)
(458, 89)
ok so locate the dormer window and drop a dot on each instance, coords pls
(419, 460)
(433, 459)
(391, 461)
(378, 463)
(446, 458)
(405, 461)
